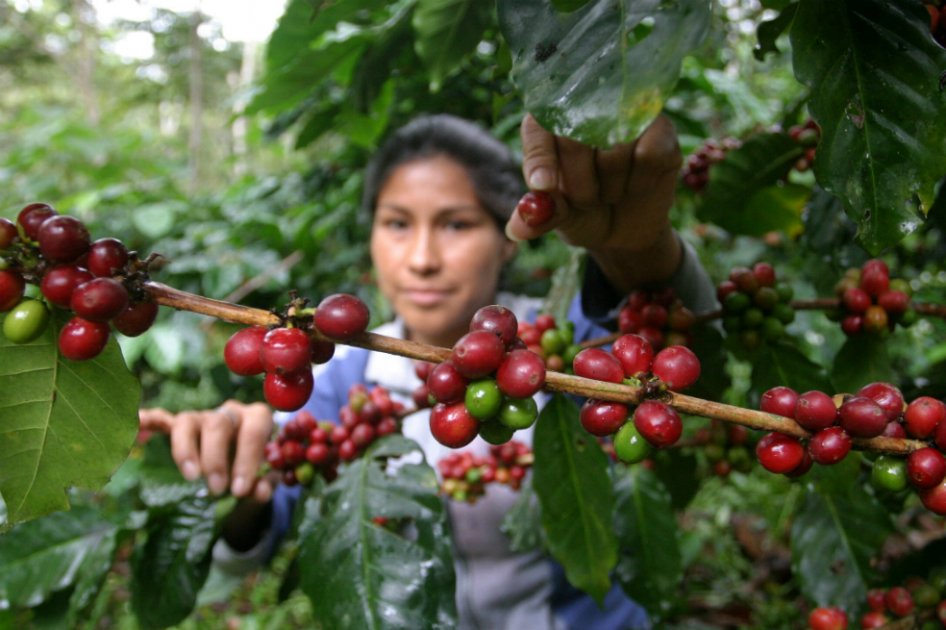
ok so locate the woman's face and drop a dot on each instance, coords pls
(437, 252)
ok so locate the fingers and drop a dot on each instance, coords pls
(159, 420)
(217, 432)
(539, 156)
(577, 173)
(185, 432)
(256, 426)
(613, 167)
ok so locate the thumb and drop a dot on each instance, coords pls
(539, 156)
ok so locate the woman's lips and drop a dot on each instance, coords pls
(426, 297)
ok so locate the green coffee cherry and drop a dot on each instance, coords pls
(26, 321)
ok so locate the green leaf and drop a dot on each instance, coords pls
(448, 31)
(523, 522)
(745, 195)
(770, 30)
(570, 477)
(600, 74)
(834, 536)
(359, 574)
(169, 570)
(65, 423)
(782, 363)
(54, 553)
(650, 565)
(861, 360)
(873, 70)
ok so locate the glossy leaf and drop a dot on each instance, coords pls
(782, 363)
(447, 31)
(873, 68)
(861, 360)
(65, 423)
(770, 30)
(745, 195)
(601, 73)
(834, 536)
(170, 568)
(359, 574)
(523, 522)
(650, 566)
(55, 553)
(570, 478)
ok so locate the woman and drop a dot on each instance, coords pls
(441, 191)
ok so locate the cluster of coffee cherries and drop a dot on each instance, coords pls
(653, 423)
(658, 316)
(551, 341)
(99, 281)
(696, 169)
(486, 386)
(756, 307)
(807, 135)
(465, 475)
(286, 353)
(877, 409)
(870, 302)
(725, 447)
(305, 446)
(937, 22)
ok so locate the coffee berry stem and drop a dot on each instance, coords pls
(554, 381)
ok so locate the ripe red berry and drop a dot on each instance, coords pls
(59, 283)
(32, 217)
(107, 256)
(446, 384)
(744, 279)
(521, 374)
(829, 446)
(99, 299)
(544, 322)
(779, 453)
(498, 320)
(658, 423)
(827, 619)
(677, 366)
(923, 416)
(363, 435)
(7, 232)
(12, 287)
(894, 302)
(764, 273)
(320, 351)
(602, 417)
(874, 279)
(634, 353)
(599, 365)
(285, 350)
(536, 208)
(452, 425)
(899, 601)
(862, 417)
(855, 300)
(876, 599)
(815, 411)
(477, 354)
(874, 619)
(780, 400)
(926, 468)
(887, 396)
(852, 325)
(136, 318)
(63, 238)
(288, 392)
(242, 352)
(341, 316)
(934, 499)
(81, 339)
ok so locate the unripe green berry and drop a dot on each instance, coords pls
(518, 413)
(483, 399)
(26, 321)
(629, 445)
(496, 432)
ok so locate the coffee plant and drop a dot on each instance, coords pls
(807, 373)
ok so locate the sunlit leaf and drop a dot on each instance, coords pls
(447, 31)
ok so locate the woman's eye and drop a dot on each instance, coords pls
(458, 225)
(395, 224)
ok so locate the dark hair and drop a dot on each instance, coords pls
(492, 167)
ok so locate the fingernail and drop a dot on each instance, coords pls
(217, 483)
(190, 470)
(239, 486)
(541, 179)
(512, 237)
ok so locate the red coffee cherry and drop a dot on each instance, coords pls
(99, 299)
(815, 411)
(780, 400)
(934, 499)
(81, 339)
(521, 374)
(599, 365)
(874, 619)
(855, 300)
(59, 283)
(288, 392)
(341, 316)
(477, 354)
(827, 619)
(242, 352)
(764, 273)
(658, 423)
(779, 453)
(874, 279)
(7, 232)
(498, 320)
(536, 208)
(862, 417)
(887, 396)
(446, 384)
(894, 302)
(634, 353)
(876, 599)
(452, 425)
(923, 416)
(677, 366)
(12, 287)
(136, 318)
(544, 322)
(926, 468)
(107, 257)
(602, 417)
(63, 239)
(32, 217)
(829, 446)
(285, 350)
(899, 601)
(320, 351)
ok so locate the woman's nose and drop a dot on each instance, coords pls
(424, 256)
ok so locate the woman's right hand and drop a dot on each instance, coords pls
(224, 445)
